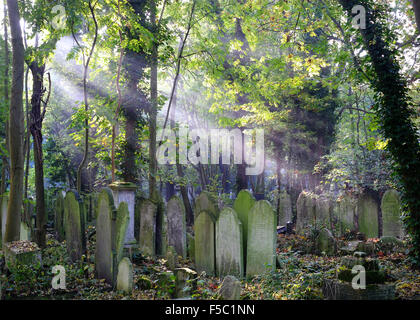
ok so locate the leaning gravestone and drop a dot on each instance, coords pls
(305, 211)
(204, 243)
(73, 227)
(391, 215)
(367, 210)
(147, 231)
(59, 217)
(243, 205)
(4, 203)
(104, 255)
(205, 202)
(262, 236)
(125, 275)
(229, 250)
(177, 234)
(285, 213)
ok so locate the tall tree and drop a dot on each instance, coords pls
(16, 126)
(416, 7)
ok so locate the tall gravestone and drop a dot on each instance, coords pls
(229, 244)
(285, 213)
(122, 221)
(147, 230)
(73, 228)
(262, 236)
(59, 217)
(345, 210)
(205, 202)
(305, 207)
(126, 192)
(177, 233)
(323, 208)
(367, 210)
(243, 205)
(204, 228)
(104, 254)
(391, 214)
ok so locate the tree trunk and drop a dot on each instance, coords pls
(154, 104)
(5, 162)
(36, 131)
(16, 126)
(416, 7)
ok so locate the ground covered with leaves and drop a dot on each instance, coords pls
(298, 275)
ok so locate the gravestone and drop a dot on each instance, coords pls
(104, 255)
(305, 207)
(229, 244)
(59, 216)
(367, 210)
(73, 228)
(243, 205)
(25, 232)
(125, 275)
(190, 246)
(345, 212)
(230, 288)
(121, 225)
(177, 234)
(323, 208)
(391, 215)
(205, 202)
(262, 236)
(126, 192)
(205, 243)
(285, 213)
(171, 258)
(147, 231)
(4, 203)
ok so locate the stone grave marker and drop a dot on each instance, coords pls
(391, 215)
(73, 228)
(229, 244)
(147, 231)
(205, 243)
(262, 236)
(177, 234)
(125, 275)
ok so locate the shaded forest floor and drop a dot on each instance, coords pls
(297, 276)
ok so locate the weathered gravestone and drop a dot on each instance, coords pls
(243, 205)
(111, 228)
(4, 199)
(262, 236)
(161, 228)
(103, 253)
(205, 202)
(177, 234)
(367, 210)
(25, 232)
(205, 243)
(285, 213)
(230, 288)
(72, 226)
(185, 282)
(147, 231)
(229, 250)
(126, 192)
(305, 207)
(190, 246)
(59, 217)
(125, 276)
(391, 215)
(345, 212)
(323, 209)
(325, 243)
